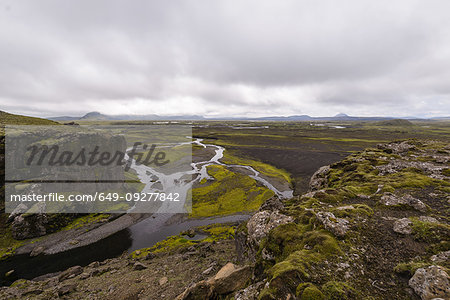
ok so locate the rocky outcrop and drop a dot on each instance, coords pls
(403, 226)
(319, 179)
(397, 148)
(430, 283)
(262, 222)
(390, 199)
(337, 226)
(257, 227)
(29, 226)
(70, 273)
(441, 257)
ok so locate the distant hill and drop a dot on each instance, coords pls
(11, 119)
(97, 116)
(395, 122)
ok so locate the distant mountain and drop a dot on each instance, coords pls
(341, 115)
(97, 116)
(441, 118)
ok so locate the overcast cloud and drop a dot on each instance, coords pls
(225, 58)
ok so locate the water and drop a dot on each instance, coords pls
(147, 232)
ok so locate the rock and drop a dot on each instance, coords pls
(94, 264)
(262, 222)
(251, 292)
(428, 219)
(431, 282)
(200, 290)
(319, 179)
(272, 204)
(20, 209)
(403, 226)
(441, 257)
(139, 266)
(36, 251)
(28, 226)
(66, 289)
(335, 225)
(208, 271)
(230, 278)
(150, 255)
(85, 275)
(70, 272)
(390, 199)
(397, 147)
(163, 280)
(9, 274)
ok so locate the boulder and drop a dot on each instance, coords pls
(200, 290)
(66, 289)
(70, 272)
(230, 278)
(403, 226)
(262, 222)
(37, 251)
(272, 204)
(431, 282)
(251, 292)
(28, 226)
(319, 179)
(390, 199)
(139, 266)
(163, 280)
(337, 226)
(441, 257)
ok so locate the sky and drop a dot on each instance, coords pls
(225, 58)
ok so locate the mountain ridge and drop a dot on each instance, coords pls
(97, 116)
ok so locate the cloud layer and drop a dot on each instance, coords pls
(225, 58)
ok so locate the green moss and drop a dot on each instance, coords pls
(336, 290)
(294, 268)
(218, 231)
(263, 168)
(169, 245)
(428, 231)
(267, 294)
(312, 293)
(446, 172)
(410, 267)
(229, 193)
(309, 291)
(296, 248)
(8, 244)
(86, 220)
(175, 243)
